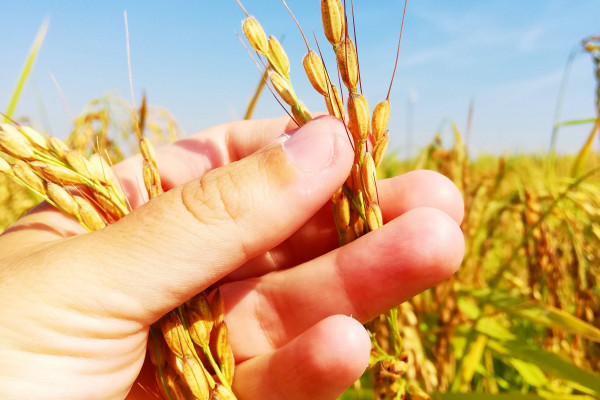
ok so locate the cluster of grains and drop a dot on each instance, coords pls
(109, 125)
(356, 204)
(81, 187)
(356, 207)
(188, 346)
(278, 67)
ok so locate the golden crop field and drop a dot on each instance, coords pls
(519, 320)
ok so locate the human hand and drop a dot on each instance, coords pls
(76, 307)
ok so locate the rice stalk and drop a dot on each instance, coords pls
(356, 208)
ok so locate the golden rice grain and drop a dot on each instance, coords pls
(89, 215)
(347, 62)
(381, 118)
(101, 171)
(283, 88)
(359, 117)
(57, 173)
(146, 149)
(57, 146)
(108, 206)
(217, 307)
(374, 217)
(348, 236)
(157, 350)
(175, 335)
(334, 103)
(4, 166)
(394, 367)
(315, 71)
(199, 319)
(357, 224)
(301, 113)
(332, 14)
(15, 145)
(24, 172)
(255, 35)
(77, 162)
(172, 388)
(194, 376)
(342, 211)
(277, 57)
(222, 393)
(367, 176)
(380, 148)
(62, 198)
(223, 352)
(34, 138)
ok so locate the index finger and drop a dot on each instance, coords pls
(178, 163)
(195, 155)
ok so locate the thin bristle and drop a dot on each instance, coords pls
(329, 88)
(62, 96)
(356, 45)
(243, 9)
(347, 36)
(129, 69)
(297, 23)
(397, 51)
(345, 18)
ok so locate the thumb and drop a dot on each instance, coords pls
(181, 242)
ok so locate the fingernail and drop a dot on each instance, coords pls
(310, 148)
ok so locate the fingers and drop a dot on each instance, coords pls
(397, 195)
(421, 188)
(319, 364)
(180, 162)
(176, 245)
(193, 156)
(364, 278)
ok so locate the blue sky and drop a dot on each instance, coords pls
(507, 56)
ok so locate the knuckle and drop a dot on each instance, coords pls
(216, 198)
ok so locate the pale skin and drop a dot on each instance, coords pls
(76, 307)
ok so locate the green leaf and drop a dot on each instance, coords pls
(540, 314)
(492, 327)
(484, 396)
(549, 363)
(472, 359)
(585, 150)
(507, 396)
(354, 394)
(499, 299)
(576, 122)
(37, 43)
(563, 396)
(469, 307)
(558, 319)
(531, 373)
